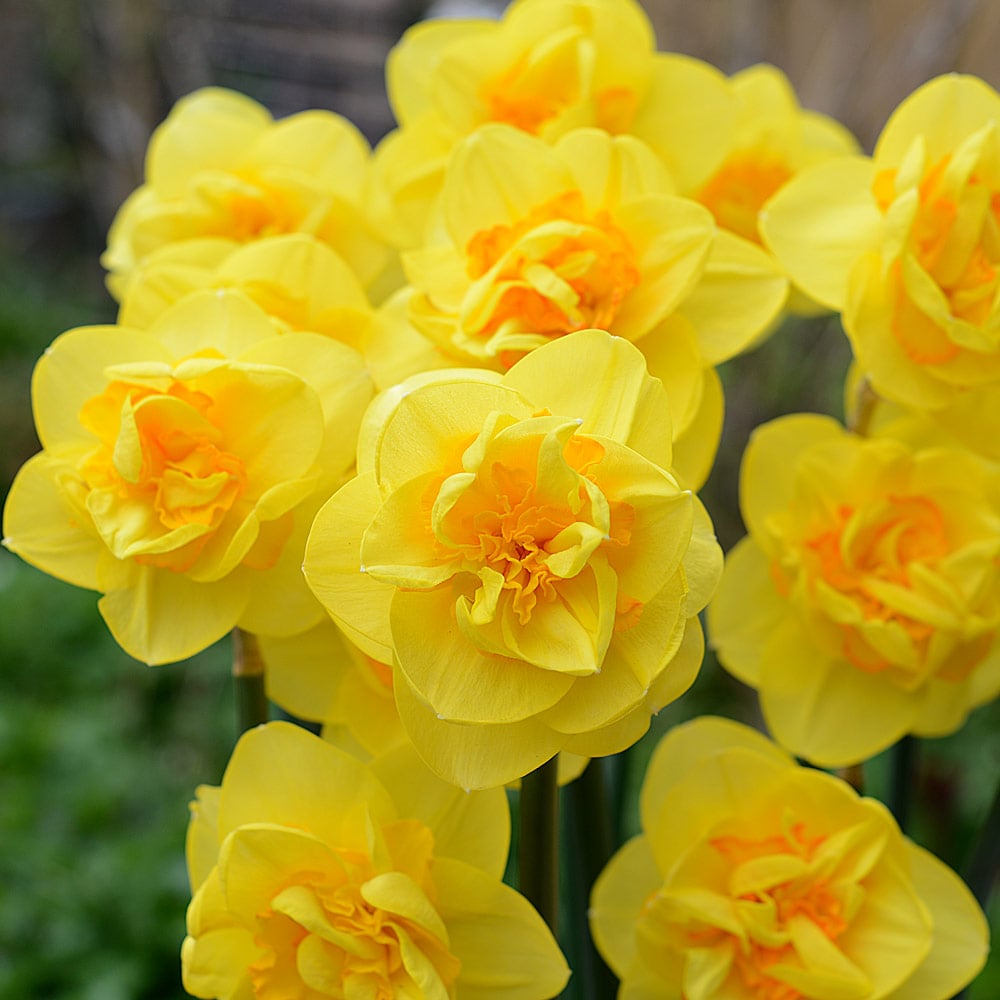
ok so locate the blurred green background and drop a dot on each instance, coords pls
(99, 755)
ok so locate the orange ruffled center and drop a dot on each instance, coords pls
(528, 517)
(955, 239)
(557, 270)
(161, 482)
(326, 935)
(739, 188)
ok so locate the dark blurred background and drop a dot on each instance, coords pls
(98, 754)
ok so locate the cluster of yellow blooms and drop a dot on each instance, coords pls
(467, 384)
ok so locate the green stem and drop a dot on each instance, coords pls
(592, 830)
(248, 681)
(984, 860)
(902, 777)
(538, 848)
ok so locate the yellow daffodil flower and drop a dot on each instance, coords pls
(757, 879)
(536, 241)
(547, 67)
(220, 167)
(773, 140)
(181, 467)
(517, 547)
(864, 603)
(907, 244)
(314, 875)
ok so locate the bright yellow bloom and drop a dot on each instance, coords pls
(315, 876)
(907, 244)
(537, 241)
(181, 468)
(865, 602)
(774, 139)
(756, 879)
(547, 67)
(519, 549)
(219, 166)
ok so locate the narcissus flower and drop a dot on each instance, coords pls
(221, 167)
(314, 875)
(773, 140)
(537, 241)
(517, 547)
(181, 468)
(547, 67)
(757, 879)
(907, 244)
(865, 602)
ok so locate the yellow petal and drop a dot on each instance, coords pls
(820, 223)
(333, 568)
(488, 922)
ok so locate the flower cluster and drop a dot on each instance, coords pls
(427, 422)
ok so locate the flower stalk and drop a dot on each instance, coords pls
(538, 845)
(248, 681)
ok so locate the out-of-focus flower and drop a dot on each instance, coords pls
(219, 166)
(517, 547)
(865, 601)
(773, 140)
(549, 66)
(181, 469)
(757, 879)
(314, 875)
(907, 244)
(537, 241)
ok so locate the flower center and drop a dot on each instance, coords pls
(955, 238)
(739, 188)
(250, 209)
(870, 556)
(557, 270)
(321, 937)
(161, 479)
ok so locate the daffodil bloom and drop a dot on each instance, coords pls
(547, 67)
(757, 879)
(907, 244)
(220, 167)
(536, 241)
(773, 140)
(314, 875)
(181, 467)
(518, 548)
(865, 601)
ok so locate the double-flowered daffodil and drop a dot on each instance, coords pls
(537, 240)
(221, 167)
(907, 244)
(864, 603)
(517, 546)
(546, 67)
(757, 879)
(181, 468)
(315, 876)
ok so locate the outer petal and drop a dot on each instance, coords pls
(43, 525)
(165, 617)
(488, 925)
(470, 827)
(820, 223)
(806, 698)
(475, 756)
(359, 604)
(961, 936)
(617, 899)
(280, 773)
